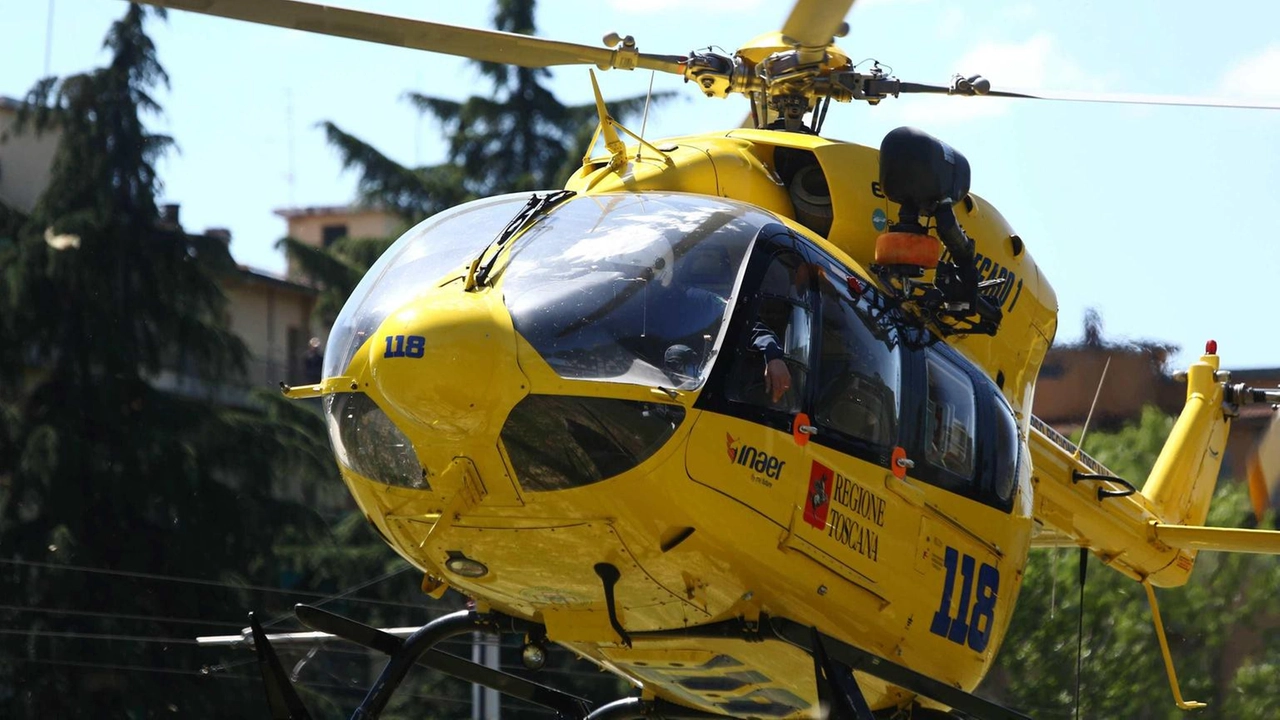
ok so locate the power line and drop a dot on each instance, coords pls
(344, 593)
(220, 669)
(130, 668)
(67, 634)
(449, 644)
(227, 676)
(117, 616)
(196, 581)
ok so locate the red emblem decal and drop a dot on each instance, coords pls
(731, 443)
(818, 500)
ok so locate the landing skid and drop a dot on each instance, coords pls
(834, 663)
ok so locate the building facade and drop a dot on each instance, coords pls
(321, 226)
(25, 159)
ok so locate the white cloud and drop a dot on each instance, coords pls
(951, 23)
(1025, 12)
(1257, 76)
(1033, 64)
(1022, 65)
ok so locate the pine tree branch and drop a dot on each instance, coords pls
(412, 194)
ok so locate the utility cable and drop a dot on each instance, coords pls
(193, 581)
(354, 588)
(116, 616)
(100, 636)
(248, 678)
(155, 639)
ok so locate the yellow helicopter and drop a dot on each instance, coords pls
(742, 417)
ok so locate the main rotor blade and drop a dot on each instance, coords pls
(1139, 99)
(485, 45)
(1115, 98)
(812, 23)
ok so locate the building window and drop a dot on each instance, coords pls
(329, 234)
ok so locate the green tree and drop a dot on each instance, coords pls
(1226, 607)
(109, 487)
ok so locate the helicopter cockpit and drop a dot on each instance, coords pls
(648, 290)
(626, 288)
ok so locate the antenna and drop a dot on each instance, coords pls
(1089, 417)
(288, 119)
(417, 131)
(48, 41)
(644, 120)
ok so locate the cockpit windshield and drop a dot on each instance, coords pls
(623, 287)
(631, 288)
(436, 248)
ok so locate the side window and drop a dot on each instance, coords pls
(1005, 470)
(860, 371)
(777, 328)
(949, 424)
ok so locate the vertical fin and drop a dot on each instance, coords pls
(1182, 482)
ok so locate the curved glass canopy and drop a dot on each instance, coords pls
(631, 288)
(435, 249)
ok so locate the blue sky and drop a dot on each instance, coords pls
(1161, 218)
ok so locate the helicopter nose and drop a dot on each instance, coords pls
(448, 361)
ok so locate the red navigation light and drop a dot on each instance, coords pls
(1211, 347)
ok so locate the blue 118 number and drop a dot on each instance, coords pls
(405, 346)
(967, 628)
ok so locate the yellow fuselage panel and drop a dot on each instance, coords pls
(871, 573)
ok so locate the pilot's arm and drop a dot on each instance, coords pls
(777, 378)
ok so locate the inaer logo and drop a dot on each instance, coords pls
(818, 500)
(753, 458)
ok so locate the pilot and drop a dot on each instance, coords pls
(777, 376)
(703, 281)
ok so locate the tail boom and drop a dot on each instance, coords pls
(1153, 535)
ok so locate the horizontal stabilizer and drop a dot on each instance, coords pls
(1195, 537)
